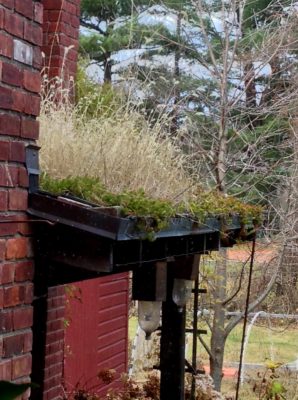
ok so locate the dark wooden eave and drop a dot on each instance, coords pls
(94, 238)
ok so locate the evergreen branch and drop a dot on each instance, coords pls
(89, 25)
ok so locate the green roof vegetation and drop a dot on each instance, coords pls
(155, 213)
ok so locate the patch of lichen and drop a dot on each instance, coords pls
(154, 214)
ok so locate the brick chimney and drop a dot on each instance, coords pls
(20, 63)
(24, 32)
(60, 39)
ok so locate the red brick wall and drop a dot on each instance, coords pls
(54, 358)
(60, 38)
(20, 62)
(61, 23)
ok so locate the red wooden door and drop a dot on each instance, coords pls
(97, 336)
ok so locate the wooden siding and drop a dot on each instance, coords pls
(97, 337)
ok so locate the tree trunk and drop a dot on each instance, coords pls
(176, 93)
(250, 86)
(250, 93)
(288, 278)
(216, 362)
(107, 64)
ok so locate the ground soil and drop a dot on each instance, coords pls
(264, 252)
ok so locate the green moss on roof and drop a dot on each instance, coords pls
(138, 204)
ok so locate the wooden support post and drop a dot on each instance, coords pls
(172, 347)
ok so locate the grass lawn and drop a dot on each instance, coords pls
(264, 343)
(279, 344)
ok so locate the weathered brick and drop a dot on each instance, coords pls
(17, 151)
(33, 33)
(18, 199)
(6, 45)
(4, 150)
(13, 295)
(53, 393)
(18, 101)
(56, 291)
(11, 74)
(8, 229)
(54, 50)
(3, 201)
(1, 297)
(2, 249)
(69, 7)
(13, 344)
(24, 271)
(55, 325)
(7, 272)
(10, 124)
(38, 12)
(75, 22)
(26, 229)
(22, 317)
(16, 248)
(9, 175)
(28, 293)
(37, 57)
(6, 322)
(57, 313)
(28, 339)
(55, 16)
(32, 105)
(60, 312)
(21, 366)
(55, 347)
(1, 18)
(53, 370)
(56, 358)
(5, 370)
(32, 81)
(13, 24)
(24, 7)
(52, 337)
(55, 26)
(57, 61)
(56, 302)
(53, 381)
(23, 177)
(30, 128)
(6, 98)
(54, 72)
(7, 3)
(52, 4)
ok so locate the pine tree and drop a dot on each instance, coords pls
(114, 26)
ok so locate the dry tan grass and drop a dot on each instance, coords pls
(121, 149)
